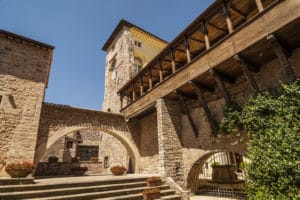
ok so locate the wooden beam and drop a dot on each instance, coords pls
(259, 5)
(141, 86)
(211, 120)
(238, 12)
(133, 92)
(150, 78)
(247, 73)
(282, 58)
(226, 13)
(203, 29)
(161, 76)
(225, 77)
(173, 61)
(187, 112)
(218, 28)
(197, 40)
(221, 85)
(187, 49)
(203, 86)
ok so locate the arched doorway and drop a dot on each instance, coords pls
(73, 135)
(217, 168)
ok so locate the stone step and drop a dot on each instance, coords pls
(12, 188)
(75, 190)
(124, 194)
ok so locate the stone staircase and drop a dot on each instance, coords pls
(222, 191)
(125, 189)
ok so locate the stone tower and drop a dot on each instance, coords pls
(24, 71)
(129, 48)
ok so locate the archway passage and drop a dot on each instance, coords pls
(219, 169)
(59, 120)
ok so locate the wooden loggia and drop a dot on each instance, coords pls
(220, 52)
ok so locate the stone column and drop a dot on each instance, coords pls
(170, 148)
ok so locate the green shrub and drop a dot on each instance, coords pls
(273, 122)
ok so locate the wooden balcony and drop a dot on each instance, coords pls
(220, 45)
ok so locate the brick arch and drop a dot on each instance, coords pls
(58, 120)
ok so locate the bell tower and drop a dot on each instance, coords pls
(128, 49)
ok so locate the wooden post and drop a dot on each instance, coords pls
(282, 58)
(141, 85)
(203, 29)
(247, 73)
(161, 77)
(173, 61)
(225, 10)
(221, 86)
(187, 112)
(150, 79)
(187, 49)
(212, 122)
(133, 92)
(259, 5)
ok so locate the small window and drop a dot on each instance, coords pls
(137, 43)
(0, 99)
(112, 64)
(69, 144)
(106, 165)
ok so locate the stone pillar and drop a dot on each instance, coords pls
(170, 148)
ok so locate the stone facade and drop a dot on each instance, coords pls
(118, 69)
(24, 68)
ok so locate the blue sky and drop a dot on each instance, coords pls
(79, 28)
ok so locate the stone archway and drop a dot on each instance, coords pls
(58, 120)
(193, 180)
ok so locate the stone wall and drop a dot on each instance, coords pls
(58, 121)
(24, 68)
(149, 144)
(115, 151)
(169, 134)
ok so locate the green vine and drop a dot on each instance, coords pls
(273, 122)
(231, 121)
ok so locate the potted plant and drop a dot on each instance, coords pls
(118, 170)
(78, 171)
(19, 170)
(153, 181)
(94, 159)
(52, 159)
(151, 193)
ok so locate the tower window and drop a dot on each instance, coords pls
(137, 43)
(112, 64)
(0, 99)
